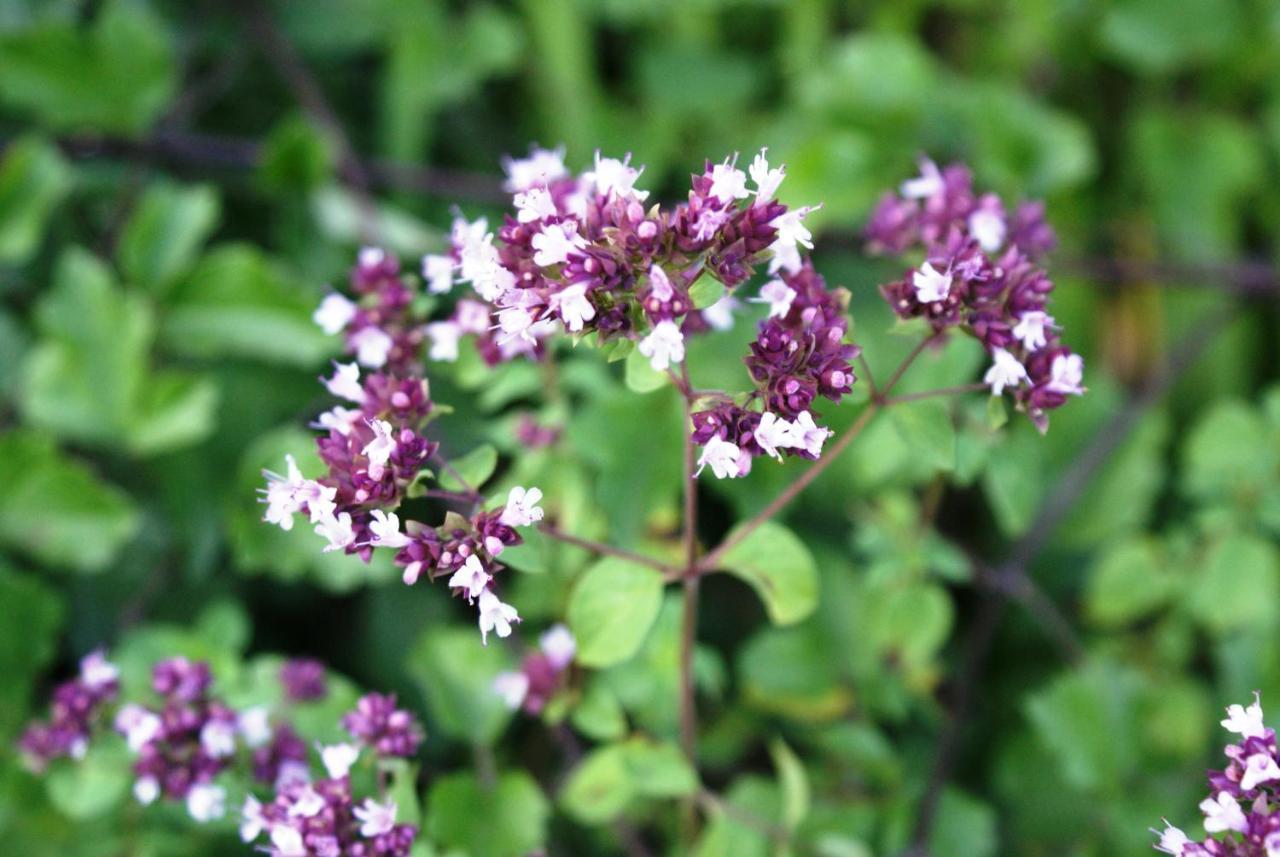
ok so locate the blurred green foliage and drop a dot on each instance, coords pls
(156, 352)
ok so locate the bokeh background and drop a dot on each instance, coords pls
(1026, 641)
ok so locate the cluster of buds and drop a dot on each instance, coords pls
(376, 452)
(190, 746)
(72, 714)
(584, 254)
(541, 673)
(799, 354)
(1242, 811)
(980, 275)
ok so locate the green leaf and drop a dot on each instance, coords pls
(965, 825)
(239, 303)
(296, 157)
(505, 819)
(1126, 583)
(116, 75)
(612, 776)
(780, 568)
(93, 786)
(54, 509)
(793, 782)
(1238, 586)
(927, 428)
(1227, 453)
(342, 217)
(611, 608)
(598, 714)
(456, 673)
(1086, 718)
(474, 468)
(705, 292)
(34, 178)
(790, 671)
(640, 377)
(168, 228)
(1146, 37)
(30, 615)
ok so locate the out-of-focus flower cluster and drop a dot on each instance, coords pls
(1242, 811)
(191, 747)
(979, 274)
(541, 673)
(376, 452)
(586, 254)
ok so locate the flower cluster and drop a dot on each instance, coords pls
(584, 254)
(72, 714)
(799, 354)
(980, 275)
(190, 747)
(1244, 797)
(375, 452)
(540, 672)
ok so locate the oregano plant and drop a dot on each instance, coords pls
(582, 262)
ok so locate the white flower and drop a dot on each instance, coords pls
(1272, 844)
(466, 235)
(1066, 374)
(287, 841)
(218, 738)
(522, 507)
(472, 316)
(792, 234)
(553, 244)
(255, 725)
(437, 270)
(376, 818)
(766, 180)
(558, 644)
(573, 305)
(372, 345)
(616, 177)
(728, 182)
(371, 257)
(722, 456)
(146, 790)
(138, 725)
(1172, 840)
(773, 432)
(928, 183)
(1031, 327)
(663, 346)
(345, 383)
(479, 263)
(380, 449)
(720, 314)
(778, 295)
(533, 205)
(338, 759)
(251, 821)
(385, 527)
(1259, 768)
(512, 687)
(1246, 721)
(471, 577)
(206, 802)
(319, 499)
(1223, 813)
(339, 419)
(284, 498)
(334, 313)
(444, 336)
(306, 804)
(542, 167)
(808, 435)
(516, 323)
(495, 616)
(292, 773)
(988, 227)
(931, 284)
(1005, 371)
(338, 530)
(96, 671)
(660, 284)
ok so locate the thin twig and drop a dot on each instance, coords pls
(689, 617)
(929, 394)
(712, 802)
(601, 549)
(866, 373)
